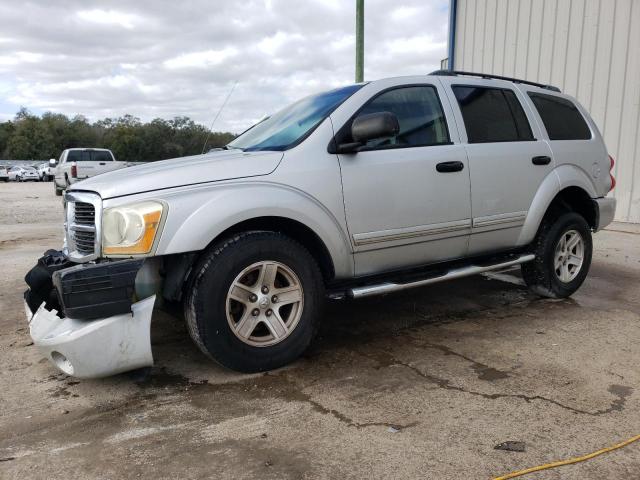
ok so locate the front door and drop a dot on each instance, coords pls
(407, 198)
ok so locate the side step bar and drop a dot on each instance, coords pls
(388, 287)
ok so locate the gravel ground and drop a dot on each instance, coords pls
(421, 384)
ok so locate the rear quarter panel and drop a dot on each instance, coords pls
(587, 156)
(578, 163)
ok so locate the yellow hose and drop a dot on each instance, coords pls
(569, 461)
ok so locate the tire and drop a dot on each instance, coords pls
(214, 319)
(549, 275)
(57, 189)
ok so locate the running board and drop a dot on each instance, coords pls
(388, 287)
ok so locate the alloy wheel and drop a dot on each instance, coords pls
(264, 303)
(569, 255)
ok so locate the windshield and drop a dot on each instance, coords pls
(29, 169)
(291, 125)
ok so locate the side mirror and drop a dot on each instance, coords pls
(374, 125)
(370, 127)
(52, 162)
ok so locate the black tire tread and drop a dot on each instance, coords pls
(537, 275)
(209, 258)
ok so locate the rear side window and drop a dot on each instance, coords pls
(79, 156)
(420, 116)
(492, 115)
(101, 156)
(561, 118)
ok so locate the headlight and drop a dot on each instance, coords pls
(130, 229)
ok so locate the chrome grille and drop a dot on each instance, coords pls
(85, 241)
(83, 215)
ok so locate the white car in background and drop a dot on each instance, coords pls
(44, 172)
(23, 174)
(4, 174)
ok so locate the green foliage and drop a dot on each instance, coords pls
(29, 137)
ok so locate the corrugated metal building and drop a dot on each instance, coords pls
(588, 48)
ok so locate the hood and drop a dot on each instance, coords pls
(177, 172)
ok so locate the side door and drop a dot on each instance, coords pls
(406, 198)
(507, 159)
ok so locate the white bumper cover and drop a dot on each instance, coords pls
(95, 348)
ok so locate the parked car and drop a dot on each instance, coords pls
(44, 172)
(23, 174)
(77, 164)
(364, 190)
(4, 174)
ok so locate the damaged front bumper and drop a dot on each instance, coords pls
(100, 331)
(96, 348)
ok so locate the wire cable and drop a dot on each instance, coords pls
(568, 461)
(217, 115)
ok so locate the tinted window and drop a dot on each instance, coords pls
(419, 114)
(291, 125)
(101, 156)
(492, 115)
(561, 118)
(79, 156)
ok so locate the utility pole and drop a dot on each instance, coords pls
(359, 41)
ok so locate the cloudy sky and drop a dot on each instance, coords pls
(166, 58)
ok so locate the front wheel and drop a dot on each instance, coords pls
(563, 250)
(254, 301)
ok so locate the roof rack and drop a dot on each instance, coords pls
(455, 73)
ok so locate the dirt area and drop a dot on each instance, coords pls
(422, 384)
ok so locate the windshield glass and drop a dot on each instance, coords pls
(291, 125)
(29, 169)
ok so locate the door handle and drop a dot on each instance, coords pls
(102, 163)
(447, 167)
(541, 160)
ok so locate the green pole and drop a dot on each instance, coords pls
(359, 41)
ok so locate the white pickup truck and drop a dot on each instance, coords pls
(76, 164)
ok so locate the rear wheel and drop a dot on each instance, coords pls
(254, 301)
(563, 250)
(57, 189)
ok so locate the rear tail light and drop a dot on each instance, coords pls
(74, 171)
(613, 180)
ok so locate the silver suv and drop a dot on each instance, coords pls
(362, 190)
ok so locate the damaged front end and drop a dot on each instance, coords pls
(83, 319)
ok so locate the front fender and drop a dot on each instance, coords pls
(199, 215)
(560, 178)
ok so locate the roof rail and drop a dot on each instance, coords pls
(455, 73)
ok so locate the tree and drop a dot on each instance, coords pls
(30, 137)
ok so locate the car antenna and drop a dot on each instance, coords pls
(217, 115)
